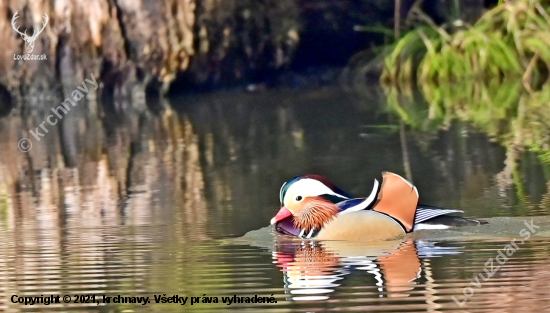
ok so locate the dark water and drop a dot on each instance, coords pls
(158, 205)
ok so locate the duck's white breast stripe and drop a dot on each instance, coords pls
(363, 205)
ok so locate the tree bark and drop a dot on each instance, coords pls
(129, 43)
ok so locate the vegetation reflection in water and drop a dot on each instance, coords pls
(512, 116)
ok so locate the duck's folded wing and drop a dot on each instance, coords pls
(424, 213)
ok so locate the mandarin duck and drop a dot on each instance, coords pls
(314, 208)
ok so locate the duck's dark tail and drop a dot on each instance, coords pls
(434, 217)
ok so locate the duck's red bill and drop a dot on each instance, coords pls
(281, 215)
(284, 222)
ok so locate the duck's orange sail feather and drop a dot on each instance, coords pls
(397, 198)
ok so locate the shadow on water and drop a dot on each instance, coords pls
(151, 202)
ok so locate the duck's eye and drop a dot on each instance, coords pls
(299, 198)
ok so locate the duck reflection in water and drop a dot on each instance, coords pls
(314, 269)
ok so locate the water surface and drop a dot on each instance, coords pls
(179, 203)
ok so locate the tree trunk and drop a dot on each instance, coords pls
(132, 45)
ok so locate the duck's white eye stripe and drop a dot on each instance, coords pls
(308, 187)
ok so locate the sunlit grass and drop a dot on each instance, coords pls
(510, 41)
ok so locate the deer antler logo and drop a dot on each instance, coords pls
(29, 40)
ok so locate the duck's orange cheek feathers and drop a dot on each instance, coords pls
(314, 213)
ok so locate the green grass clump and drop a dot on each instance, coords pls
(510, 40)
